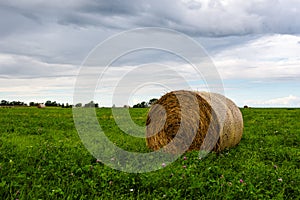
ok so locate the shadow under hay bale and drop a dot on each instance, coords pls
(184, 120)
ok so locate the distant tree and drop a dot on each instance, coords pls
(33, 104)
(141, 105)
(53, 104)
(19, 103)
(13, 103)
(137, 105)
(4, 103)
(144, 104)
(78, 105)
(152, 101)
(68, 105)
(91, 104)
(48, 103)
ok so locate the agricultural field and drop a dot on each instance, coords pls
(42, 157)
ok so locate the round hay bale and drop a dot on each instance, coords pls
(41, 105)
(184, 120)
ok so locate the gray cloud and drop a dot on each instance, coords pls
(42, 39)
(214, 18)
(14, 23)
(112, 8)
(64, 32)
(197, 18)
(16, 66)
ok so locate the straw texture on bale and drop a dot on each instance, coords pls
(176, 123)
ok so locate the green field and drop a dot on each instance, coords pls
(42, 157)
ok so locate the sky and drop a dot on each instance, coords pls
(254, 45)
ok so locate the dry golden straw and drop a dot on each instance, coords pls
(184, 120)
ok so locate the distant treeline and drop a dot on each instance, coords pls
(47, 103)
(66, 105)
(145, 104)
(12, 103)
(90, 104)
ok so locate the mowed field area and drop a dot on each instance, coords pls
(42, 157)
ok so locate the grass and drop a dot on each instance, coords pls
(42, 157)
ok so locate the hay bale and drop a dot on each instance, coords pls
(184, 120)
(41, 105)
